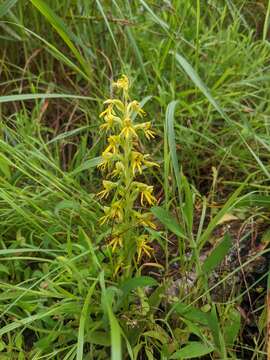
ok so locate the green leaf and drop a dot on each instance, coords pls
(218, 254)
(162, 23)
(191, 313)
(140, 281)
(230, 204)
(93, 254)
(66, 204)
(193, 350)
(23, 97)
(168, 220)
(4, 269)
(6, 6)
(255, 200)
(199, 83)
(88, 164)
(232, 327)
(188, 206)
(83, 321)
(98, 337)
(4, 166)
(116, 349)
(171, 141)
(158, 335)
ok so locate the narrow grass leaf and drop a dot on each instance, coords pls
(67, 134)
(83, 321)
(266, 22)
(23, 97)
(171, 142)
(63, 31)
(116, 350)
(188, 206)
(6, 6)
(198, 82)
(162, 23)
(95, 262)
(88, 164)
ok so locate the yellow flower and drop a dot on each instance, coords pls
(117, 103)
(115, 212)
(128, 129)
(146, 127)
(119, 169)
(145, 219)
(122, 83)
(135, 106)
(137, 160)
(116, 241)
(146, 193)
(108, 187)
(110, 122)
(107, 111)
(114, 141)
(142, 247)
(107, 159)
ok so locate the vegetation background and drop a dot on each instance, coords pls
(201, 69)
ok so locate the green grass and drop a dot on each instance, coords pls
(202, 70)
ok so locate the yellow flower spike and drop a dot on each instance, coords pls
(128, 129)
(135, 106)
(108, 187)
(116, 242)
(146, 193)
(122, 83)
(142, 247)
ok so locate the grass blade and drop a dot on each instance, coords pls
(83, 320)
(6, 6)
(172, 144)
(116, 350)
(63, 31)
(23, 97)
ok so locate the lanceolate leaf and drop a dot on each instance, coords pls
(169, 221)
(217, 255)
